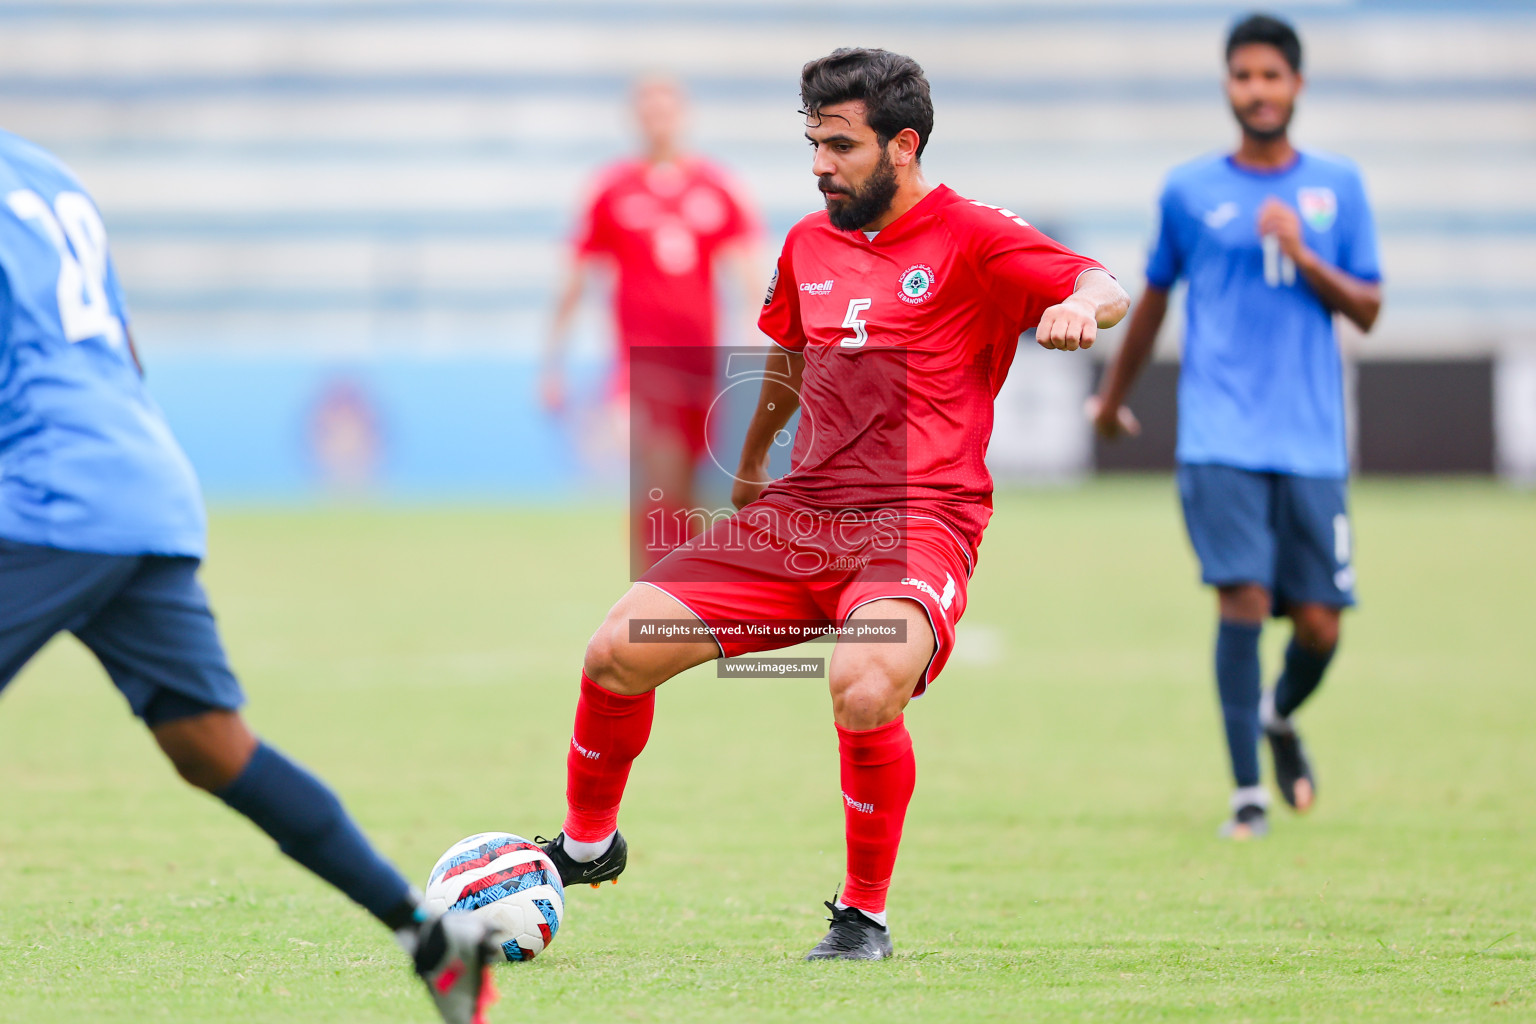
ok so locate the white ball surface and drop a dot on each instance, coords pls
(506, 881)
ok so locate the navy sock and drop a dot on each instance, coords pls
(1303, 672)
(310, 825)
(1237, 682)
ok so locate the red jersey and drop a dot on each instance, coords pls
(907, 339)
(663, 224)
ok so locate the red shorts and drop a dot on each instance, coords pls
(659, 422)
(671, 389)
(768, 564)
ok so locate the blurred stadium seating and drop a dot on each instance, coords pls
(312, 195)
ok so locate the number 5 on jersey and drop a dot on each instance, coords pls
(852, 321)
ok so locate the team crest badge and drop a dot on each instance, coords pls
(1319, 207)
(916, 284)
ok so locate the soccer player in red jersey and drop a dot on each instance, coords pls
(899, 308)
(662, 221)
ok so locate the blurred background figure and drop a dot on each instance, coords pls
(1274, 243)
(661, 223)
(344, 437)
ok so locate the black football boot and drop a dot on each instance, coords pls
(852, 937)
(606, 868)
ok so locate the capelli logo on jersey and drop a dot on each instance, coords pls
(945, 599)
(916, 284)
(861, 806)
(817, 287)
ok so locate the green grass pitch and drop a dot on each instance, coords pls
(1060, 860)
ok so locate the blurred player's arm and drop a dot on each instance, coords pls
(776, 403)
(1338, 289)
(552, 377)
(743, 262)
(1108, 410)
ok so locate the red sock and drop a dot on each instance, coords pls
(611, 730)
(878, 774)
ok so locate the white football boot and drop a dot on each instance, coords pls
(452, 955)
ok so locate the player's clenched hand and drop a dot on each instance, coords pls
(1111, 422)
(750, 481)
(1278, 219)
(1069, 326)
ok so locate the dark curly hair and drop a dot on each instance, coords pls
(893, 88)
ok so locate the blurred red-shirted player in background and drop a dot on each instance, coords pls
(661, 221)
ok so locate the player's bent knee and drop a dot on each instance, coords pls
(1317, 628)
(208, 750)
(864, 706)
(615, 663)
(598, 659)
(620, 665)
(866, 696)
(600, 663)
(1320, 639)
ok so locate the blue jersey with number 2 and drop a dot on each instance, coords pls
(87, 462)
(1261, 384)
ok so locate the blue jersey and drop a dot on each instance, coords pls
(87, 462)
(1261, 385)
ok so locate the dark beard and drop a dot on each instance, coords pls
(1264, 136)
(866, 203)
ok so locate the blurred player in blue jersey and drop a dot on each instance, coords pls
(101, 535)
(1272, 242)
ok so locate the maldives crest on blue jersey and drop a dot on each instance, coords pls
(1319, 207)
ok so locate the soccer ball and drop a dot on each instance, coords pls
(505, 881)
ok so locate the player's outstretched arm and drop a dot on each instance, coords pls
(1074, 323)
(776, 403)
(1108, 410)
(1339, 290)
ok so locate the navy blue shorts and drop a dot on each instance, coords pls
(145, 617)
(1289, 534)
